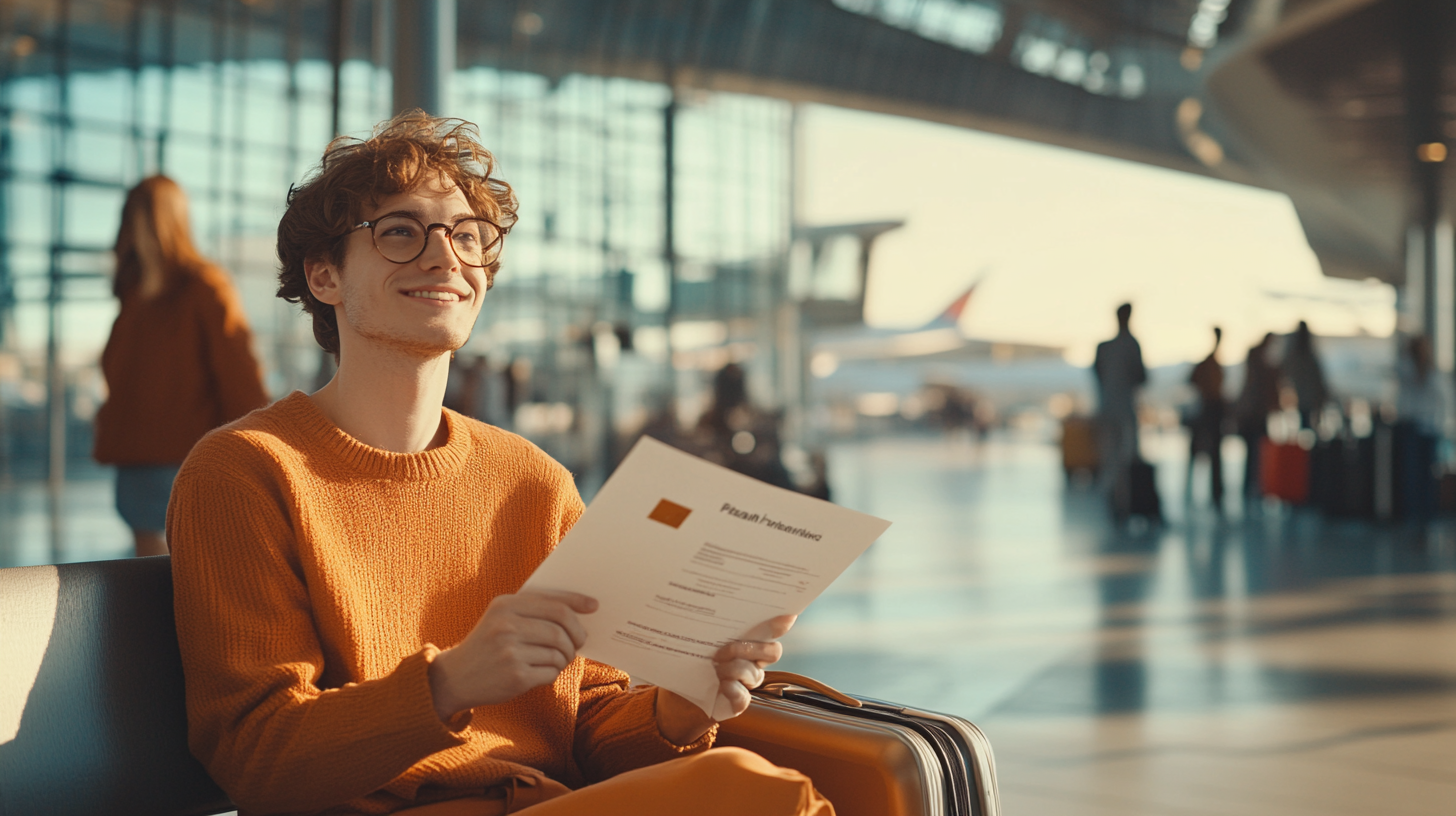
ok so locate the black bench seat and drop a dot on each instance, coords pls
(92, 719)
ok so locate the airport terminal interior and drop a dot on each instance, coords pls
(699, 183)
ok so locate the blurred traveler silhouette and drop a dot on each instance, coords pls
(818, 486)
(466, 389)
(179, 361)
(1207, 426)
(518, 387)
(1420, 400)
(735, 434)
(1421, 422)
(1258, 398)
(1301, 365)
(660, 423)
(1120, 372)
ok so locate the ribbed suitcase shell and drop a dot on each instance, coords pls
(881, 759)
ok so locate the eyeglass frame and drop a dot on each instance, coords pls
(500, 237)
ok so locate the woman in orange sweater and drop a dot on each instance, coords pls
(179, 361)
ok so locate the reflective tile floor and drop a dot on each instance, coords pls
(79, 525)
(1262, 662)
(1266, 662)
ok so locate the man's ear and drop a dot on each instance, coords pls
(323, 281)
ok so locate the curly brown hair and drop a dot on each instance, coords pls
(354, 174)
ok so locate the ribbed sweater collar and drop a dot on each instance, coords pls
(323, 436)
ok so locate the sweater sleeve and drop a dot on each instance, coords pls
(616, 728)
(236, 376)
(268, 734)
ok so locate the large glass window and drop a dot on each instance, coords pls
(235, 101)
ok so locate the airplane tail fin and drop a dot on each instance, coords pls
(952, 315)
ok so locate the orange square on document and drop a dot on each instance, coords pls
(669, 513)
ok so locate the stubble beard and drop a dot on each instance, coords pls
(418, 347)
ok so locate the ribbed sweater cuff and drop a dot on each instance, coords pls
(639, 737)
(462, 719)
(412, 705)
(702, 743)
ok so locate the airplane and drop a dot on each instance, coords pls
(940, 335)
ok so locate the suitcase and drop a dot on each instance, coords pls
(1284, 471)
(868, 757)
(1342, 477)
(1143, 487)
(1446, 493)
(1418, 491)
(1079, 445)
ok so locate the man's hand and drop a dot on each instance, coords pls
(740, 666)
(521, 642)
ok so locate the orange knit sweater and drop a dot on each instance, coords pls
(177, 366)
(315, 578)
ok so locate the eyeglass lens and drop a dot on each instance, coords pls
(401, 239)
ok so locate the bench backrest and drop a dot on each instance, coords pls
(92, 719)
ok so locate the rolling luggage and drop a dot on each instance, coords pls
(1446, 493)
(868, 757)
(1284, 471)
(1418, 490)
(1342, 477)
(1143, 486)
(1079, 445)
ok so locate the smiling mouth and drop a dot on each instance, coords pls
(432, 295)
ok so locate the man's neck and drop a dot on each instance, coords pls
(387, 399)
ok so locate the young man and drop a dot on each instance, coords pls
(347, 563)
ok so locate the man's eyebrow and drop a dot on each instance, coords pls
(415, 214)
(419, 215)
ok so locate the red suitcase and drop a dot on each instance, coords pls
(1284, 471)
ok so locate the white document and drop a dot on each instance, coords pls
(684, 556)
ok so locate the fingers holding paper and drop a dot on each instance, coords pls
(740, 665)
(772, 629)
(521, 642)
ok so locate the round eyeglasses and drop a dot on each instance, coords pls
(402, 238)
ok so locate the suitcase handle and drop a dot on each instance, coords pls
(777, 680)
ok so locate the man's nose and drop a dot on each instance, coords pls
(444, 244)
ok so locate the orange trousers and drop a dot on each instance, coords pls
(718, 782)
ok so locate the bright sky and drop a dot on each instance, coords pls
(1059, 238)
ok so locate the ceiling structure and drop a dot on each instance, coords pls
(1301, 96)
(1321, 106)
(1097, 75)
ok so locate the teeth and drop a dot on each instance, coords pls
(434, 295)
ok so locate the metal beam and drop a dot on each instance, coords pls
(811, 50)
(424, 54)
